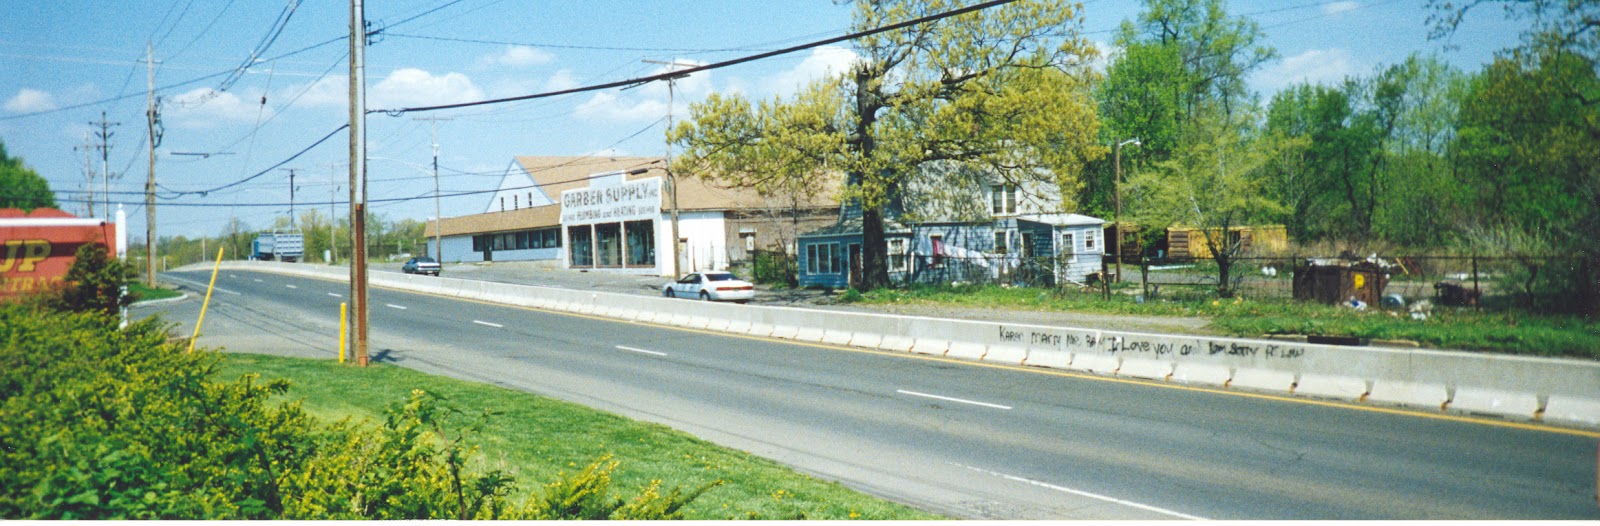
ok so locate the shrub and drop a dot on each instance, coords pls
(99, 423)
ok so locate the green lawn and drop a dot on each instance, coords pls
(535, 438)
(145, 293)
(1507, 331)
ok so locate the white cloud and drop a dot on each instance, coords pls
(1334, 8)
(327, 91)
(519, 56)
(31, 100)
(1316, 66)
(408, 87)
(823, 62)
(206, 107)
(648, 102)
(562, 80)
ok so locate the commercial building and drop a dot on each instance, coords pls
(609, 213)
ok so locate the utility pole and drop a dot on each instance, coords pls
(153, 121)
(291, 196)
(1118, 211)
(358, 179)
(333, 224)
(438, 217)
(672, 178)
(88, 173)
(105, 134)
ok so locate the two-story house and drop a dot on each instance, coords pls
(952, 224)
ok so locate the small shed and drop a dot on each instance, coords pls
(1190, 242)
(1332, 281)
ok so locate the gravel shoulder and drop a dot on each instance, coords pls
(547, 275)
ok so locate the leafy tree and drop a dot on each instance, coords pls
(1530, 126)
(1216, 51)
(21, 187)
(1215, 181)
(1004, 89)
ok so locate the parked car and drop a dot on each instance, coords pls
(422, 265)
(710, 286)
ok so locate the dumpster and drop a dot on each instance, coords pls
(1335, 280)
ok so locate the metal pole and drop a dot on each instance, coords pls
(358, 179)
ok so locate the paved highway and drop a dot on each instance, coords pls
(963, 439)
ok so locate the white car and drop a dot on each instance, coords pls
(710, 286)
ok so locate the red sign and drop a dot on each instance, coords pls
(37, 248)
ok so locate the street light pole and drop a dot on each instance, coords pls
(1117, 218)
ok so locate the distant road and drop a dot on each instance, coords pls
(964, 439)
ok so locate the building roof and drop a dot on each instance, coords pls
(553, 175)
(520, 219)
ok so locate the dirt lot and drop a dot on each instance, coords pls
(544, 274)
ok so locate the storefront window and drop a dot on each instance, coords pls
(641, 240)
(581, 241)
(608, 243)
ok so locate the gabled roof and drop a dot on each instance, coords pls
(555, 174)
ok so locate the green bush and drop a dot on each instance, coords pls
(774, 268)
(99, 423)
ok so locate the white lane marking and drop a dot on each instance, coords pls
(233, 275)
(335, 295)
(202, 285)
(626, 348)
(291, 286)
(258, 281)
(1082, 493)
(393, 306)
(495, 325)
(948, 399)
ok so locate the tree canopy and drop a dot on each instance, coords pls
(21, 187)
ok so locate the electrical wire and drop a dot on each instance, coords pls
(707, 67)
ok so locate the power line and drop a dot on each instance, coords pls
(707, 67)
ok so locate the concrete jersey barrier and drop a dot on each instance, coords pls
(1522, 387)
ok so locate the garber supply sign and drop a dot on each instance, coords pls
(37, 248)
(630, 201)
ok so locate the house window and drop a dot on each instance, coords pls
(1000, 244)
(1088, 241)
(822, 258)
(897, 255)
(937, 241)
(502, 204)
(1069, 249)
(1027, 245)
(1004, 198)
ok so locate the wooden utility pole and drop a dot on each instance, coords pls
(358, 179)
(438, 217)
(153, 121)
(672, 178)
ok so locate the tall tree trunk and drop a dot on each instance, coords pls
(874, 268)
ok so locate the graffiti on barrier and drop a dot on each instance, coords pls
(1131, 345)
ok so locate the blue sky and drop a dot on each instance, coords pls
(60, 60)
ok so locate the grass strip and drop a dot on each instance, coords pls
(1505, 331)
(537, 438)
